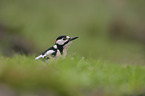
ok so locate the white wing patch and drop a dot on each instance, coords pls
(49, 52)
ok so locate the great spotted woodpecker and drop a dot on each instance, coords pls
(60, 48)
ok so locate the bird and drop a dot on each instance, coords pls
(60, 48)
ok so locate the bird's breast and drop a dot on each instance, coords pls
(58, 53)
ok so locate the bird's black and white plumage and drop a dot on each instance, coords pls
(59, 49)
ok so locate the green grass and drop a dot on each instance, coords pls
(73, 76)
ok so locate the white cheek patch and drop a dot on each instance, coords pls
(61, 41)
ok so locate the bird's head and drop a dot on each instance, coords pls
(64, 40)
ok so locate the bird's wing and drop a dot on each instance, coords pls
(49, 52)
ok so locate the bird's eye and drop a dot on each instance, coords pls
(64, 38)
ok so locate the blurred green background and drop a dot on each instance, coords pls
(108, 29)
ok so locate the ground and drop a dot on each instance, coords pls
(73, 76)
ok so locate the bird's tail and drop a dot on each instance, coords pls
(39, 57)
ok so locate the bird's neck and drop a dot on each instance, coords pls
(60, 48)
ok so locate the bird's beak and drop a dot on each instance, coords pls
(73, 38)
